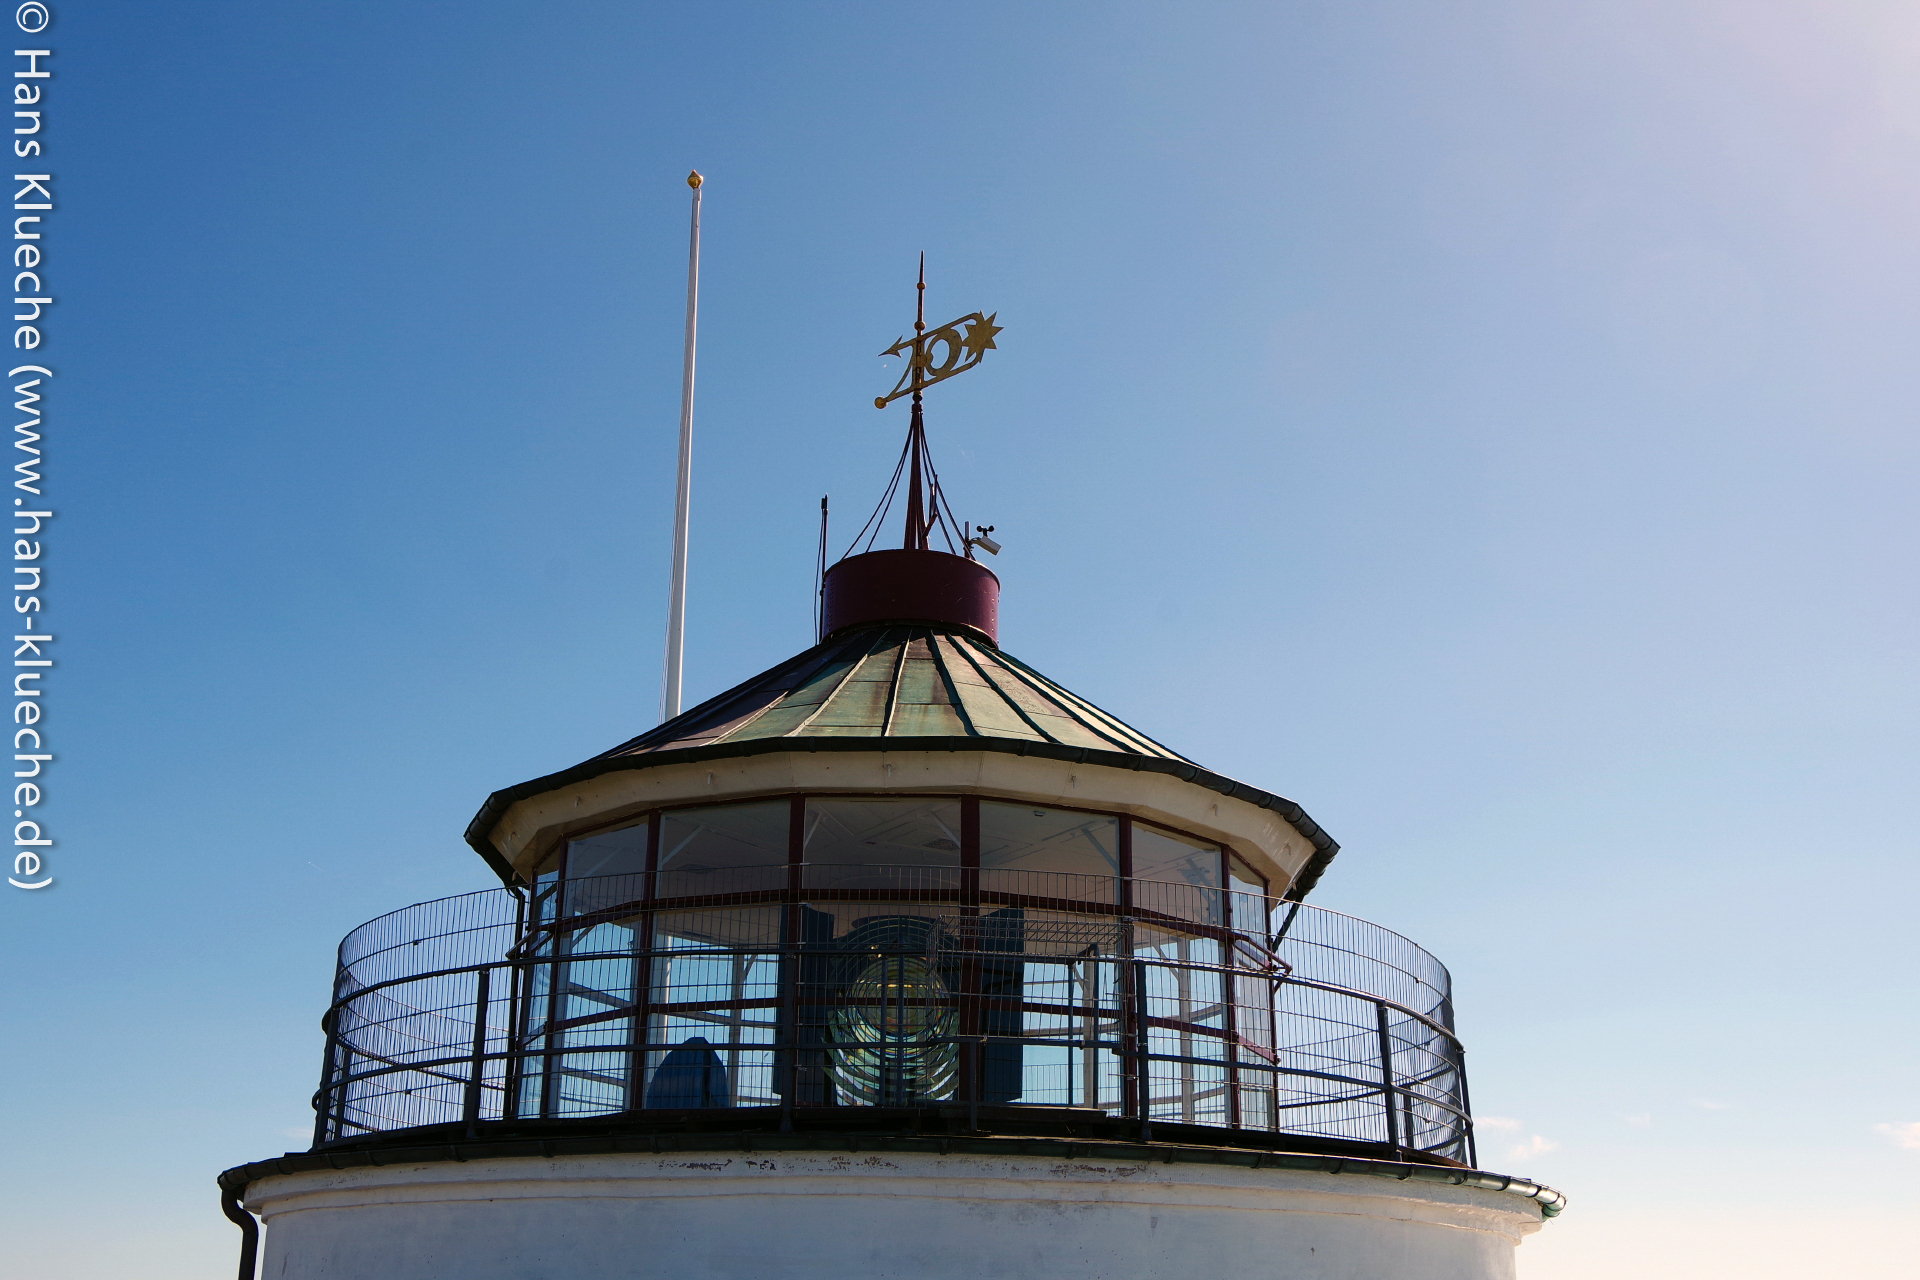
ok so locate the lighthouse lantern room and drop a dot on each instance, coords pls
(897, 960)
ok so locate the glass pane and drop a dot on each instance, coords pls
(1176, 876)
(1244, 878)
(1150, 943)
(606, 869)
(899, 845)
(729, 848)
(608, 853)
(714, 997)
(594, 991)
(1052, 853)
(1071, 1016)
(719, 1003)
(1161, 855)
(727, 927)
(544, 905)
(1186, 1007)
(1247, 897)
(827, 924)
(548, 869)
(1073, 1077)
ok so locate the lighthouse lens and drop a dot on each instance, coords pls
(892, 1030)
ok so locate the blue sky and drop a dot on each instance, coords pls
(1488, 424)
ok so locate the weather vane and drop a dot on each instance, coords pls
(939, 355)
(932, 357)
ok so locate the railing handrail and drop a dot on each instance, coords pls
(505, 894)
(525, 962)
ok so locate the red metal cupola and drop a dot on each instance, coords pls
(911, 586)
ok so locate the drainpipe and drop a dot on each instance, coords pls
(249, 1231)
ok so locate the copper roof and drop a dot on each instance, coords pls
(903, 681)
(904, 687)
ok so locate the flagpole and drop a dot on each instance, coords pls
(677, 598)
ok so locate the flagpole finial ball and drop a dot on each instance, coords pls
(694, 179)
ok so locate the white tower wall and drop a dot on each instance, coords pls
(874, 1216)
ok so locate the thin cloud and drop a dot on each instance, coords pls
(1904, 1135)
(1642, 1121)
(1535, 1145)
(1528, 1147)
(1708, 1104)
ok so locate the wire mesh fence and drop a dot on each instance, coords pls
(896, 987)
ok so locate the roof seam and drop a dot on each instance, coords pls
(825, 658)
(821, 710)
(965, 651)
(719, 702)
(1019, 674)
(1102, 712)
(953, 694)
(893, 686)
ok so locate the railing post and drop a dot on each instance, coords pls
(786, 1036)
(1142, 1065)
(519, 1010)
(1466, 1104)
(973, 1094)
(329, 1070)
(1387, 1089)
(476, 1069)
(516, 1020)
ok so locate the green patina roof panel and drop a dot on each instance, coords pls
(906, 681)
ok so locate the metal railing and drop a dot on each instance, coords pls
(895, 986)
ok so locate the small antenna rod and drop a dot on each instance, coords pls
(820, 579)
(677, 593)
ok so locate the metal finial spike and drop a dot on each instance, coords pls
(920, 312)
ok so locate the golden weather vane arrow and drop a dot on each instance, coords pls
(940, 354)
(931, 357)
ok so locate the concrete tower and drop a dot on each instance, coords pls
(896, 960)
